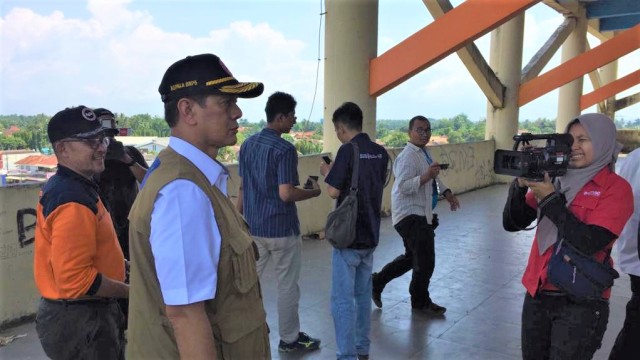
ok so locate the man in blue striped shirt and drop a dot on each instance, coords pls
(268, 166)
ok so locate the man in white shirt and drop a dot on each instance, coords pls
(627, 345)
(413, 197)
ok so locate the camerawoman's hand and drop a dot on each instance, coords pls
(541, 189)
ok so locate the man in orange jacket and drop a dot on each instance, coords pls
(79, 267)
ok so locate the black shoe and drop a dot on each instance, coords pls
(304, 342)
(376, 295)
(363, 357)
(432, 309)
(436, 309)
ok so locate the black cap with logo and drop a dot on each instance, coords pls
(77, 122)
(204, 74)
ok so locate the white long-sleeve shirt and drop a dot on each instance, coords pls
(627, 243)
(408, 197)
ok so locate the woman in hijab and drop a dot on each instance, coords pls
(590, 206)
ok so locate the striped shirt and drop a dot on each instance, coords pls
(267, 161)
(408, 197)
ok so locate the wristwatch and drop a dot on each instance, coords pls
(131, 163)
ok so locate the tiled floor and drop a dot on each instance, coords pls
(477, 278)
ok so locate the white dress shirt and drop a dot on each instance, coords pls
(185, 239)
(408, 197)
(627, 243)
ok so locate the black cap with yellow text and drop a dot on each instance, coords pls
(204, 74)
(76, 122)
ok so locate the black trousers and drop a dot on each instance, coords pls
(558, 328)
(81, 330)
(627, 345)
(418, 238)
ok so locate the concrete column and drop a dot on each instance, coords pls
(351, 41)
(494, 64)
(608, 74)
(569, 94)
(506, 60)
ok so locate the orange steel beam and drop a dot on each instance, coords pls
(608, 51)
(450, 32)
(609, 90)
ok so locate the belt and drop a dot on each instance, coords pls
(81, 301)
(552, 293)
(559, 294)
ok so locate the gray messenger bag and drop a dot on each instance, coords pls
(340, 229)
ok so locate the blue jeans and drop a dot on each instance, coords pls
(351, 301)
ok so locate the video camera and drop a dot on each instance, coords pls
(108, 120)
(533, 162)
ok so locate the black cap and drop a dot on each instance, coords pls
(204, 74)
(105, 115)
(100, 112)
(78, 122)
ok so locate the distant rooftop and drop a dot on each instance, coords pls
(46, 161)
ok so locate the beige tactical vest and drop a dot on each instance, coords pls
(237, 309)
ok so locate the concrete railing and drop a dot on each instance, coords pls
(471, 167)
(18, 294)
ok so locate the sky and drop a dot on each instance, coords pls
(113, 53)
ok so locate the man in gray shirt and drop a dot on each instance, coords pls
(413, 197)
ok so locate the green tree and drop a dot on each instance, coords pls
(289, 138)
(241, 138)
(395, 138)
(226, 155)
(306, 147)
(12, 143)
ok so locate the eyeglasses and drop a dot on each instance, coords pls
(94, 143)
(422, 131)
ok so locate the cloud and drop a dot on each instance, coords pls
(113, 55)
(116, 57)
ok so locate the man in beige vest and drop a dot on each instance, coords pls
(194, 287)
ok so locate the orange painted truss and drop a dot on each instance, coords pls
(610, 90)
(580, 65)
(464, 23)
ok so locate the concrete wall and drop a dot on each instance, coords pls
(629, 138)
(18, 294)
(471, 168)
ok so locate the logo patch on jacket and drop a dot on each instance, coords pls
(593, 193)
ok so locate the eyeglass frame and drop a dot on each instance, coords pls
(422, 131)
(94, 142)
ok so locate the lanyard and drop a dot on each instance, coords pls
(434, 185)
(426, 154)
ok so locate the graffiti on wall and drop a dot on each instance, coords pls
(23, 238)
(463, 159)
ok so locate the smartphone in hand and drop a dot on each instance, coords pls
(444, 166)
(326, 159)
(309, 184)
